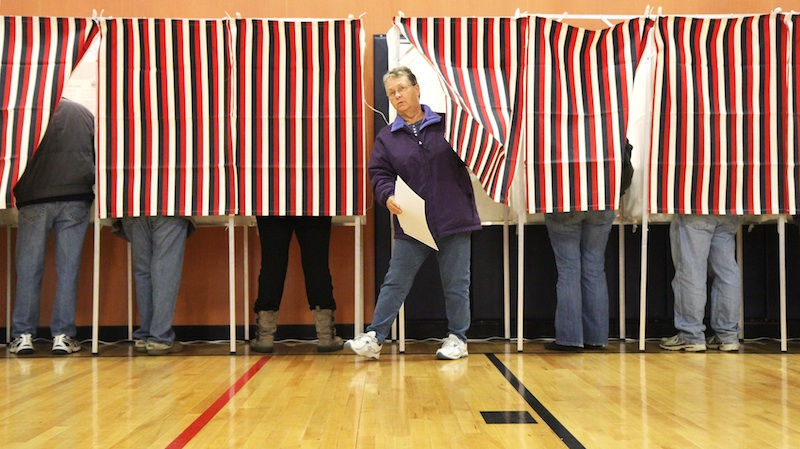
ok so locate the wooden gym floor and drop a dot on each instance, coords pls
(495, 398)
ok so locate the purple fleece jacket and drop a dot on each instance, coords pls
(431, 168)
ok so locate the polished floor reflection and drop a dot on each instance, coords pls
(495, 398)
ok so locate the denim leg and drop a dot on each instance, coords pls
(564, 230)
(275, 234)
(169, 244)
(454, 258)
(314, 237)
(138, 231)
(690, 241)
(34, 227)
(594, 287)
(407, 257)
(726, 298)
(69, 229)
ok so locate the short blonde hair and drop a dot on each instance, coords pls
(400, 71)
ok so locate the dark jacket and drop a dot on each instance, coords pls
(62, 167)
(431, 168)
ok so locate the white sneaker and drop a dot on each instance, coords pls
(140, 345)
(65, 345)
(714, 342)
(156, 348)
(22, 345)
(677, 343)
(365, 345)
(452, 348)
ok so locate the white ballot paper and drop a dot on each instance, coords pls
(413, 220)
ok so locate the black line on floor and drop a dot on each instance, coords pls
(509, 417)
(569, 440)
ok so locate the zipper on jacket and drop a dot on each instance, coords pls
(425, 152)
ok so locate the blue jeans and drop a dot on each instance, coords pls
(454, 267)
(703, 246)
(68, 220)
(579, 245)
(157, 247)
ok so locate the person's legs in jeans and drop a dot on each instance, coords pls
(407, 257)
(314, 237)
(275, 234)
(690, 240)
(138, 231)
(454, 257)
(166, 268)
(34, 227)
(564, 230)
(594, 287)
(69, 229)
(726, 298)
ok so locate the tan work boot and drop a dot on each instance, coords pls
(265, 332)
(326, 333)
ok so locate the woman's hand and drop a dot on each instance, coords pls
(393, 207)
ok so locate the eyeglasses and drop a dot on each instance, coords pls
(401, 89)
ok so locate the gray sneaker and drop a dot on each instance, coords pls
(714, 342)
(676, 343)
(21, 345)
(156, 348)
(140, 345)
(63, 344)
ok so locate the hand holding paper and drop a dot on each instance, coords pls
(413, 220)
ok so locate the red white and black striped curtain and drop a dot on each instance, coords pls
(481, 64)
(723, 137)
(37, 56)
(165, 144)
(790, 129)
(579, 94)
(299, 117)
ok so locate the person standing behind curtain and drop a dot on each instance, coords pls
(54, 194)
(579, 243)
(703, 246)
(413, 147)
(314, 237)
(157, 248)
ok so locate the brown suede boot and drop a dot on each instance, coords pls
(265, 332)
(326, 333)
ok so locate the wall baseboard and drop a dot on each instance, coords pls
(420, 330)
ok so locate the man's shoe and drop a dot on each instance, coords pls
(593, 347)
(676, 343)
(62, 344)
(156, 348)
(714, 342)
(365, 345)
(553, 346)
(22, 345)
(140, 345)
(452, 349)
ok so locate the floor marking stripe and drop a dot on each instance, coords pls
(201, 421)
(569, 440)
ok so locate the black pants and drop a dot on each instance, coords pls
(314, 236)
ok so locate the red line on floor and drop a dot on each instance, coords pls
(201, 421)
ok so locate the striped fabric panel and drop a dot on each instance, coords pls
(164, 101)
(37, 56)
(788, 126)
(300, 118)
(579, 86)
(719, 140)
(481, 64)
